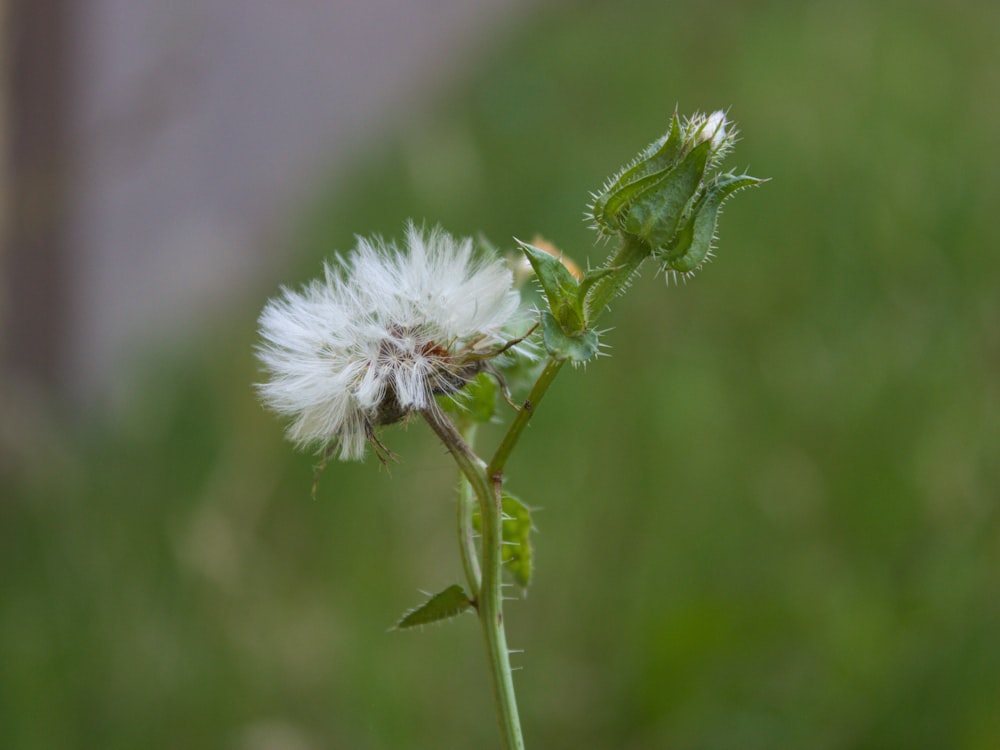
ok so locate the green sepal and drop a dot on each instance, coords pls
(592, 277)
(560, 286)
(476, 401)
(693, 242)
(654, 215)
(659, 155)
(616, 210)
(579, 347)
(451, 602)
(651, 164)
(516, 552)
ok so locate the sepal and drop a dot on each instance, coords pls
(656, 211)
(692, 244)
(577, 348)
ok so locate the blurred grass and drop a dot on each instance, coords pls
(770, 519)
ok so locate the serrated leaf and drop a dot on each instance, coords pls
(577, 348)
(516, 552)
(559, 285)
(451, 602)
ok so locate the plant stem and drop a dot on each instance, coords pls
(626, 261)
(485, 578)
(489, 598)
(517, 426)
(466, 538)
(491, 620)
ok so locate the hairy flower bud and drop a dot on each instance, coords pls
(666, 199)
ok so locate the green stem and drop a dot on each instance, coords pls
(491, 620)
(517, 426)
(466, 535)
(489, 597)
(626, 262)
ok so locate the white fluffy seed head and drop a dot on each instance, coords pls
(380, 335)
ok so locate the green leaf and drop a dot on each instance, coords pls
(449, 603)
(516, 552)
(560, 286)
(579, 347)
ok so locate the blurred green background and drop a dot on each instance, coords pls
(769, 519)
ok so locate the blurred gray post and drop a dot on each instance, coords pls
(34, 172)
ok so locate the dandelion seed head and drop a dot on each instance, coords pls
(381, 334)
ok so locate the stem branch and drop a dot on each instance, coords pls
(517, 426)
(626, 262)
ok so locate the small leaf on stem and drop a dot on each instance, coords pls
(560, 286)
(451, 602)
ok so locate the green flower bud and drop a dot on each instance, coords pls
(665, 199)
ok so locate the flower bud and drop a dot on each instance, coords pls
(658, 198)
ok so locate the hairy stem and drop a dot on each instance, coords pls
(491, 620)
(466, 533)
(489, 598)
(626, 262)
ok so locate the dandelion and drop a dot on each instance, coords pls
(382, 334)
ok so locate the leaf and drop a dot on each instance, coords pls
(516, 551)
(580, 347)
(449, 603)
(560, 286)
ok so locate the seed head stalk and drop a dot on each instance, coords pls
(489, 596)
(486, 574)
